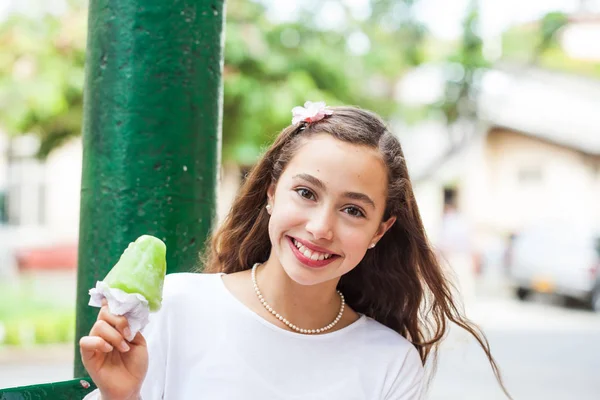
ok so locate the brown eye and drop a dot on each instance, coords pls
(354, 211)
(305, 193)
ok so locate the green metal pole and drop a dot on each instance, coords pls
(151, 135)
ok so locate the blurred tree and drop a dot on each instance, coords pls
(41, 76)
(538, 44)
(269, 68)
(550, 25)
(459, 103)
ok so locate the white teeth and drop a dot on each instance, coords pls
(313, 255)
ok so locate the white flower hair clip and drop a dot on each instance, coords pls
(311, 112)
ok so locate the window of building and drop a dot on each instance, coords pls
(529, 175)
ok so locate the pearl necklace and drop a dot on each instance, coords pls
(288, 323)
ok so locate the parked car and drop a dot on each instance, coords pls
(556, 259)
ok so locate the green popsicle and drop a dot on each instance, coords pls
(141, 269)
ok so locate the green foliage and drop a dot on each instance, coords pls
(538, 44)
(555, 59)
(48, 328)
(528, 43)
(460, 96)
(269, 68)
(32, 315)
(550, 26)
(41, 77)
(265, 78)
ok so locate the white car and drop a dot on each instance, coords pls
(556, 259)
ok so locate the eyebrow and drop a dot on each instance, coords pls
(320, 185)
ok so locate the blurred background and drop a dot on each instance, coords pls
(497, 105)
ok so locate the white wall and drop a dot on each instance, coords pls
(499, 191)
(62, 175)
(61, 178)
(531, 181)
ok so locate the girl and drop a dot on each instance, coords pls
(320, 284)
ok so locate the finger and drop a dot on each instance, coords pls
(88, 345)
(110, 334)
(119, 322)
(139, 340)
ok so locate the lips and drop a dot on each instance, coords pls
(313, 247)
(309, 254)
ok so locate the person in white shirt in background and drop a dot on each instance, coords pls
(457, 250)
(320, 284)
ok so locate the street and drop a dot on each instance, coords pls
(544, 351)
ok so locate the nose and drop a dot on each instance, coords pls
(320, 224)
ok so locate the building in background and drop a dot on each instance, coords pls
(535, 157)
(40, 205)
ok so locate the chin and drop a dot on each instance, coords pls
(307, 276)
(298, 274)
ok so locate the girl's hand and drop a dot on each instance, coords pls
(116, 366)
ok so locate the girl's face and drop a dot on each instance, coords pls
(327, 208)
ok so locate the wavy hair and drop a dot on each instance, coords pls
(399, 283)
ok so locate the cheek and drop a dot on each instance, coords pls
(354, 243)
(285, 216)
(354, 240)
(289, 206)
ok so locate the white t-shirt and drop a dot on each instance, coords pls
(205, 344)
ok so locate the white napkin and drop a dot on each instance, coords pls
(133, 306)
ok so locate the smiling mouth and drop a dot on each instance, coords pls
(312, 254)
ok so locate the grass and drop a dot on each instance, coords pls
(33, 311)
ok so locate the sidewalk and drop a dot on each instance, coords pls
(41, 354)
(35, 365)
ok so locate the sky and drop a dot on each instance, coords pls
(442, 17)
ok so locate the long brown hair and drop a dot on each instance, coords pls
(399, 283)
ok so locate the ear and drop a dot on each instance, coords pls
(271, 193)
(383, 228)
